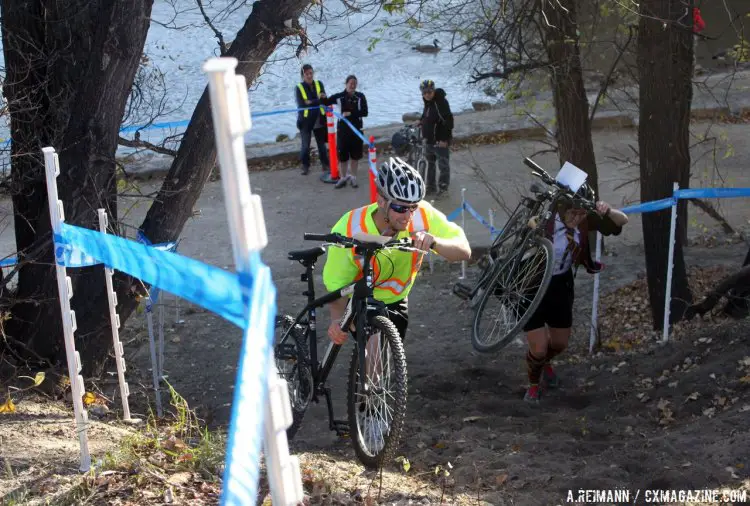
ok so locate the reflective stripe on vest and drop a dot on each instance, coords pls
(304, 96)
(357, 223)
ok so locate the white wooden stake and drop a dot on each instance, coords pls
(463, 226)
(261, 399)
(65, 292)
(595, 301)
(670, 266)
(114, 320)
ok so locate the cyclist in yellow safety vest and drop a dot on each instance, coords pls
(309, 93)
(398, 212)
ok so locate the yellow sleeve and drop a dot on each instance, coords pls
(440, 226)
(339, 269)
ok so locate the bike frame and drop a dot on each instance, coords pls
(360, 308)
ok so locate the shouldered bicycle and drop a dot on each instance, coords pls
(517, 267)
(377, 387)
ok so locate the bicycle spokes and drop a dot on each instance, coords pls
(517, 283)
(374, 413)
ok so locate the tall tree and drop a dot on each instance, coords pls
(76, 105)
(665, 64)
(69, 70)
(574, 141)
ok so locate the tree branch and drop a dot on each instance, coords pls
(136, 143)
(480, 76)
(219, 36)
(738, 279)
(605, 84)
(710, 210)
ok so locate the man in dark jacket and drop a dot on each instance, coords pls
(437, 132)
(311, 122)
(352, 105)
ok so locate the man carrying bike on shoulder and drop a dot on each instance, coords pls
(398, 212)
(549, 328)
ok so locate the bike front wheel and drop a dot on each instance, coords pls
(293, 363)
(513, 294)
(377, 414)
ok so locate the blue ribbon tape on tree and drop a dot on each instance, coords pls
(210, 287)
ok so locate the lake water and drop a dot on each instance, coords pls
(389, 75)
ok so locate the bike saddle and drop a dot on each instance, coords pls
(307, 255)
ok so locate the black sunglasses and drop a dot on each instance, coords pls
(403, 209)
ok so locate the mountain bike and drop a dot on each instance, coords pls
(517, 268)
(376, 396)
(417, 157)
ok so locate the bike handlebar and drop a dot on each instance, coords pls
(350, 242)
(542, 174)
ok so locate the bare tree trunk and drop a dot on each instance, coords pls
(196, 157)
(571, 104)
(665, 65)
(70, 67)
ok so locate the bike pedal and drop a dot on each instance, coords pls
(462, 291)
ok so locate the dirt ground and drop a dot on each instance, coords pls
(671, 417)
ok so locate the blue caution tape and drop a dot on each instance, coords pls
(479, 218)
(184, 123)
(171, 246)
(650, 207)
(248, 407)
(373, 168)
(8, 262)
(354, 129)
(712, 193)
(210, 287)
(455, 214)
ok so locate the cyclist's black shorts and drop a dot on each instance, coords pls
(556, 308)
(398, 313)
(348, 144)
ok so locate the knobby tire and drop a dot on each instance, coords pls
(302, 367)
(389, 333)
(534, 241)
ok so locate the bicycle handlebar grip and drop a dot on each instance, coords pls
(319, 237)
(533, 165)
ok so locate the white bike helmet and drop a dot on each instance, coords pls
(398, 180)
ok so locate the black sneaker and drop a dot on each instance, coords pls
(342, 182)
(305, 171)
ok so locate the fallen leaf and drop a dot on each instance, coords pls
(500, 479)
(709, 412)
(470, 419)
(672, 384)
(39, 378)
(740, 466)
(516, 448)
(89, 398)
(694, 396)
(745, 379)
(662, 404)
(440, 445)
(8, 407)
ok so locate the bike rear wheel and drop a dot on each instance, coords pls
(376, 416)
(293, 363)
(518, 285)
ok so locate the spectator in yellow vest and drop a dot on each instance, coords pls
(309, 93)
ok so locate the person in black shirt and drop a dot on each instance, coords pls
(311, 121)
(437, 131)
(349, 146)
